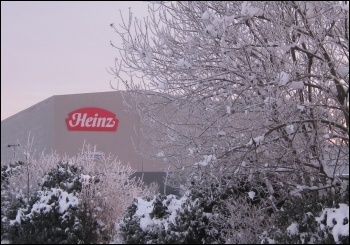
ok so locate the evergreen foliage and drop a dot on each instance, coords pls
(297, 221)
(203, 217)
(55, 213)
(9, 202)
(199, 217)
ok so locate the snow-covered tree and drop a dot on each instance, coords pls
(108, 187)
(242, 87)
(103, 187)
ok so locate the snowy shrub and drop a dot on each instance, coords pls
(312, 219)
(202, 216)
(335, 222)
(105, 188)
(248, 221)
(251, 203)
(55, 213)
(9, 200)
(108, 187)
(229, 210)
(149, 221)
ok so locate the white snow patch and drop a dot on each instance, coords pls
(335, 221)
(211, 30)
(296, 85)
(148, 58)
(301, 107)
(161, 85)
(283, 170)
(170, 52)
(257, 141)
(189, 39)
(161, 154)
(229, 18)
(344, 7)
(285, 48)
(205, 15)
(249, 143)
(221, 133)
(65, 201)
(191, 151)
(251, 194)
(283, 78)
(206, 161)
(144, 208)
(289, 129)
(343, 71)
(250, 11)
(310, 10)
(293, 229)
(307, 103)
(183, 63)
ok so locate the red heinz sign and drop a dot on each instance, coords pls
(92, 119)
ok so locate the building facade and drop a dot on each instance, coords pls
(62, 123)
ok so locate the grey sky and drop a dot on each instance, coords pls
(51, 48)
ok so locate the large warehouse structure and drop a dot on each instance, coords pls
(63, 123)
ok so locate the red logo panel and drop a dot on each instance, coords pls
(92, 119)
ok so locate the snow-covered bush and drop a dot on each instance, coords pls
(312, 219)
(194, 218)
(9, 200)
(56, 213)
(149, 221)
(114, 190)
(105, 186)
(335, 223)
(204, 215)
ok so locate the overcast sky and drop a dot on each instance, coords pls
(52, 48)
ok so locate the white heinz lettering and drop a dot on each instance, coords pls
(110, 122)
(95, 120)
(103, 120)
(88, 121)
(78, 119)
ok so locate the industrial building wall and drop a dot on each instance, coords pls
(47, 125)
(36, 121)
(46, 122)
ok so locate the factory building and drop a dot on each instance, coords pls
(62, 123)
